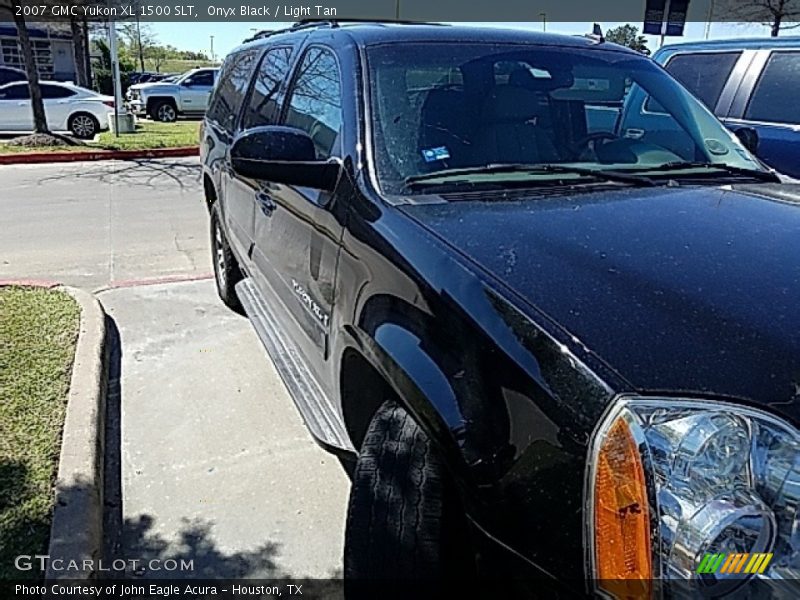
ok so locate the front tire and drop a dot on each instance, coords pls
(404, 520)
(226, 268)
(164, 111)
(83, 126)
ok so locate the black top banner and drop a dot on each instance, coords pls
(190, 11)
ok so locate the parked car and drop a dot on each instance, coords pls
(165, 101)
(570, 357)
(139, 77)
(745, 82)
(82, 112)
(10, 75)
(150, 77)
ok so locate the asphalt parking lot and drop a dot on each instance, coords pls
(99, 224)
(208, 459)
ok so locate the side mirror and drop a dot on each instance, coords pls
(749, 138)
(282, 155)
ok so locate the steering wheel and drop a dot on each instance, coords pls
(586, 141)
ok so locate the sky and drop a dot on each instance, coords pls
(229, 35)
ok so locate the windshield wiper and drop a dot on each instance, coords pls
(767, 176)
(598, 174)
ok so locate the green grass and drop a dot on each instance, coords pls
(152, 135)
(149, 135)
(175, 66)
(6, 149)
(38, 332)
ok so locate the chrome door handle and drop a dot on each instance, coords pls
(266, 203)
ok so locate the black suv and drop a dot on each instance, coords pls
(542, 339)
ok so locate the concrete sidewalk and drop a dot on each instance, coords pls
(216, 464)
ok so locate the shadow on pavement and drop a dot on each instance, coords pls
(146, 172)
(18, 529)
(195, 541)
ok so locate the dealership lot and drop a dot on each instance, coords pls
(212, 460)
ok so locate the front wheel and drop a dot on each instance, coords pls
(404, 521)
(164, 111)
(226, 269)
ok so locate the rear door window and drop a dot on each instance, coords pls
(775, 98)
(264, 105)
(230, 91)
(52, 92)
(704, 74)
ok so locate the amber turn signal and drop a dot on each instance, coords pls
(623, 560)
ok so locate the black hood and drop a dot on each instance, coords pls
(684, 289)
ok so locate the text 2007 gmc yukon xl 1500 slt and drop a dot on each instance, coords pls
(538, 336)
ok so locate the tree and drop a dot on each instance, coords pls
(139, 38)
(778, 15)
(31, 70)
(79, 30)
(628, 35)
(78, 43)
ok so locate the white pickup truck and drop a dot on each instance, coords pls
(162, 101)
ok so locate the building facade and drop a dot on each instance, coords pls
(53, 50)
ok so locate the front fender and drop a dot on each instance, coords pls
(447, 377)
(420, 384)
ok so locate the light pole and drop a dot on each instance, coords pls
(112, 43)
(212, 49)
(544, 21)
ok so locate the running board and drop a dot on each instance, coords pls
(322, 420)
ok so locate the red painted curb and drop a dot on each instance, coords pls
(127, 283)
(47, 157)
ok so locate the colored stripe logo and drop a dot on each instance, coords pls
(749, 563)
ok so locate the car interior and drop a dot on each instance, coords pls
(504, 108)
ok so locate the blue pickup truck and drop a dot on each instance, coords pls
(751, 83)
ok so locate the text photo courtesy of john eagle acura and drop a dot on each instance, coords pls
(540, 338)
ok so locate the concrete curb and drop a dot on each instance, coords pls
(91, 155)
(76, 533)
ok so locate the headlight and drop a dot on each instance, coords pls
(694, 496)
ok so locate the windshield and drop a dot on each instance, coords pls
(439, 107)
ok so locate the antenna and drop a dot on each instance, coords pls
(596, 35)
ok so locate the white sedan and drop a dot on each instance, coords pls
(68, 107)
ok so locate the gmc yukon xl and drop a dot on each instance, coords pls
(550, 348)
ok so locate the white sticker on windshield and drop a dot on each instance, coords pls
(435, 154)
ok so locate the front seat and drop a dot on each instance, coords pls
(512, 129)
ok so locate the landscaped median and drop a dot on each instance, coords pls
(151, 140)
(52, 392)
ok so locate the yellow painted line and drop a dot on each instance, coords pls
(752, 566)
(765, 563)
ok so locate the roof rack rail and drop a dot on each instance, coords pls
(338, 22)
(313, 23)
(265, 33)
